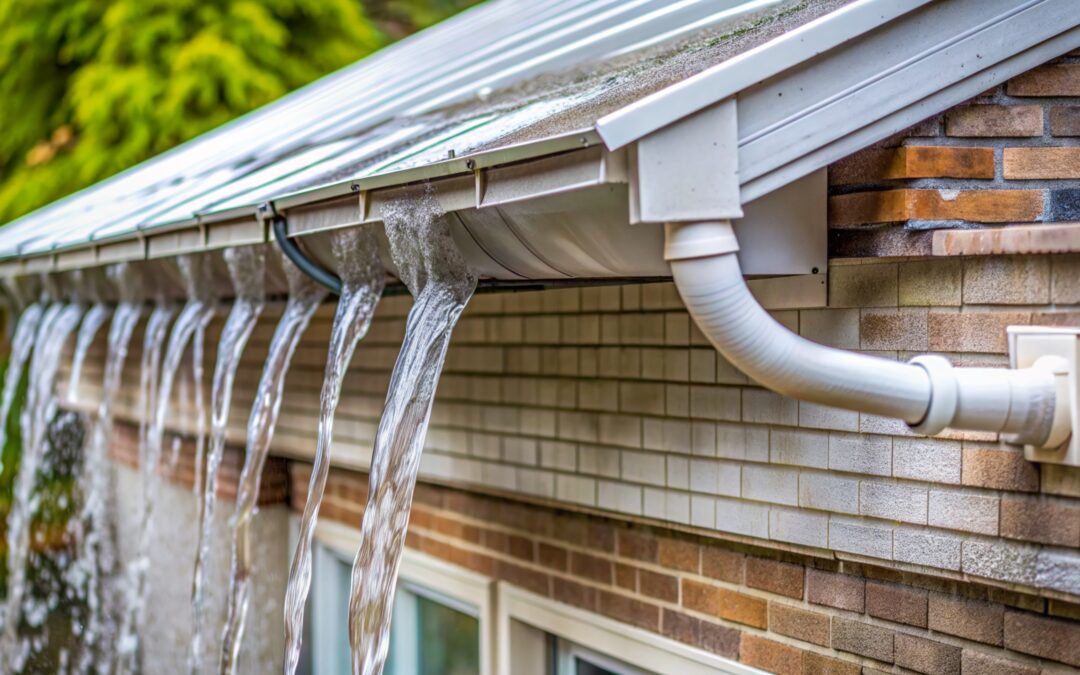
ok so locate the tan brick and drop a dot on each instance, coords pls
(931, 282)
(1065, 120)
(1045, 163)
(864, 639)
(863, 285)
(722, 564)
(981, 206)
(657, 585)
(774, 576)
(999, 469)
(894, 329)
(1065, 280)
(978, 332)
(835, 590)
(970, 619)
(915, 161)
(816, 664)
(977, 663)
(725, 604)
(927, 656)
(679, 554)
(628, 610)
(1043, 520)
(800, 624)
(989, 120)
(770, 656)
(1007, 280)
(1041, 636)
(1061, 79)
(893, 602)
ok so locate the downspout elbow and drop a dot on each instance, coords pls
(928, 393)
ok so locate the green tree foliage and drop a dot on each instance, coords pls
(90, 87)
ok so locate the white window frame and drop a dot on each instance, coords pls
(520, 610)
(421, 572)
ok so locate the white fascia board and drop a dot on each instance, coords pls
(680, 100)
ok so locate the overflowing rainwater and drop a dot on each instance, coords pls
(92, 570)
(304, 298)
(247, 267)
(435, 273)
(192, 320)
(56, 325)
(362, 276)
(22, 343)
(92, 322)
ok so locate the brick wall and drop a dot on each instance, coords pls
(607, 400)
(784, 613)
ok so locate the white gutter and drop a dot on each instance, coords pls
(927, 392)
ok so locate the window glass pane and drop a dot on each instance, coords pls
(449, 640)
(583, 667)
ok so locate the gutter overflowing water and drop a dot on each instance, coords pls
(247, 267)
(435, 273)
(362, 276)
(304, 298)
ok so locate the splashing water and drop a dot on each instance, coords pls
(95, 557)
(247, 266)
(56, 325)
(22, 343)
(441, 283)
(95, 318)
(193, 318)
(304, 298)
(362, 279)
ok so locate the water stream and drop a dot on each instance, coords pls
(22, 344)
(193, 318)
(95, 562)
(434, 271)
(304, 298)
(362, 275)
(56, 325)
(92, 322)
(247, 267)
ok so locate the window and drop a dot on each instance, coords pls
(442, 614)
(573, 659)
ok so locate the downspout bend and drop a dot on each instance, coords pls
(928, 393)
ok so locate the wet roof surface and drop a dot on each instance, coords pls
(506, 72)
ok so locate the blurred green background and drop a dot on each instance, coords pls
(91, 87)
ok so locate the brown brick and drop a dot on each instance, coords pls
(801, 624)
(1041, 520)
(1053, 639)
(927, 656)
(637, 545)
(573, 593)
(893, 602)
(720, 640)
(660, 586)
(893, 329)
(1061, 79)
(626, 576)
(989, 120)
(774, 576)
(681, 627)
(1035, 163)
(590, 567)
(977, 663)
(722, 564)
(970, 619)
(816, 664)
(628, 610)
(999, 469)
(520, 547)
(725, 604)
(977, 332)
(1065, 120)
(890, 206)
(770, 656)
(679, 554)
(863, 639)
(835, 590)
(553, 557)
(529, 579)
(916, 161)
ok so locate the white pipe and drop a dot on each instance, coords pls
(927, 392)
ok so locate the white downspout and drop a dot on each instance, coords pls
(927, 392)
